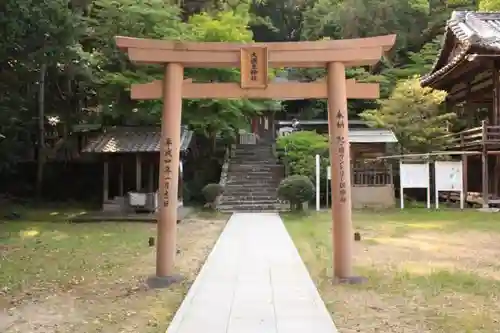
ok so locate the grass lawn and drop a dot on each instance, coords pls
(84, 278)
(428, 271)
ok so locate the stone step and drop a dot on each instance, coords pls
(250, 193)
(253, 183)
(253, 159)
(248, 164)
(255, 164)
(253, 175)
(253, 171)
(246, 175)
(252, 152)
(243, 165)
(253, 148)
(270, 194)
(259, 150)
(251, 186)
(274, 179)
(255, 168)
(237, 203)
(252, 208)
(253, 156)
(234, 210)
(247, 197)
(260, 144)
(266, 152)
(250, 197)
(268, 148)
(252, 178)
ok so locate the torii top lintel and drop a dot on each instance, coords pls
(351, 52)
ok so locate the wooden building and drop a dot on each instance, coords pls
(366, 143)
(130, 157)
(372, 182)
(468, 68)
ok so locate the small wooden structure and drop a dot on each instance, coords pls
(254, 60)
(468, 68)
(372, 184)
(371, 180)
(131, 157)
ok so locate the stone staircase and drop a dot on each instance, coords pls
(253, 177)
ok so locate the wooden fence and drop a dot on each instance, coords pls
(371, 174)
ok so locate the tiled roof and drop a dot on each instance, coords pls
(313, 122)
(132, 140)
(471, 29)
(356, 134)
(371, 135)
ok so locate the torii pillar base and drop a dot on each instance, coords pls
(159, 282)
(351, 280)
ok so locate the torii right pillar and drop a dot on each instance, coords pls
(342, 238)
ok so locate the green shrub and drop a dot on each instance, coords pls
(301, 149)
(297, 190)
(211, 192)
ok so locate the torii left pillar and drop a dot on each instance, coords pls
(169, 172)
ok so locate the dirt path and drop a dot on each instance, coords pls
(118, 300)
(427, 271)
(423, 282)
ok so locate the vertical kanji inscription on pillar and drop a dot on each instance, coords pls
(342, 183)
(167, 165)
(341, 143)
(340, 119)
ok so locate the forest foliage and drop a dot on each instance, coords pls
(63, 51)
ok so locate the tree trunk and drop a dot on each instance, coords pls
(41, 132)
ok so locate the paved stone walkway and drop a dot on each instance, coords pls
(254, 281)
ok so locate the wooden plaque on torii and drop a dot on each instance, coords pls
(254, 68)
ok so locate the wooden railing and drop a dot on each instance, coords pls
(467, 138)
(493, 134)
(474, 137)
(370, 174)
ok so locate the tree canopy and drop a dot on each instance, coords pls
(59, 64)
(415, 116)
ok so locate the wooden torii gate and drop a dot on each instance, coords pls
(254, 60)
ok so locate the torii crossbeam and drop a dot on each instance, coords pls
(254, 59)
